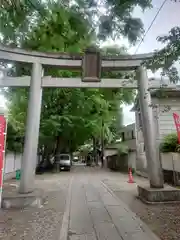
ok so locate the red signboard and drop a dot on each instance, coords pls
(177, 124)
(2, 148)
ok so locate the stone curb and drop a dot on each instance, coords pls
(66, 216)
(157, 203)
(145, 227)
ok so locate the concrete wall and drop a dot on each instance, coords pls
(123, 162)
(132, 160)
(110, 152)
(129, 139)
(131, 143)
(12, 163)
(118, 163)
(129, 136)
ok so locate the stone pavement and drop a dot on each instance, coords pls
(34, 223)
(95, 213)
(80, 206)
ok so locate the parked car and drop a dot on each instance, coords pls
(65, 161)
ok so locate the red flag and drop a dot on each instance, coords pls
(177, 124)
(2, 151)
(2, 146)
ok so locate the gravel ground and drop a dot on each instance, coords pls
(164, 220)
(44, 223)
(37, 223)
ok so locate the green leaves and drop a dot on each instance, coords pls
(74, 115)
(103, 19)
(118, 20)
(169, 143)
(168, 57)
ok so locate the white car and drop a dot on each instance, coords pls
(65, 161)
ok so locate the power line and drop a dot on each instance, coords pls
(150, 26)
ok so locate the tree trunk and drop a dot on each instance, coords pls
(57, 153)
(44, 164)
(95, 153)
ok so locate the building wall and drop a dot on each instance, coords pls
(164, 125)
(129, 139)
(110, 152)
(132, 160)
(166, 109)
(128, 136)
(131, 143)
(12, 163)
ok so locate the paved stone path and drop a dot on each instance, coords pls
(97, 214)
(79, 206)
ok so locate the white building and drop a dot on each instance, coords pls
(164, 103)
(128, 139)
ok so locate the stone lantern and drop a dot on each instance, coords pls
(91, 65)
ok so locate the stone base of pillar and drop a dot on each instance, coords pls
(167, 194)
(16, 200)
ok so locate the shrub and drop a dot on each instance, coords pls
(178, 148)
(170, 143)
(123, 150)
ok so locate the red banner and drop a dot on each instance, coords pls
(2, 147)
(177, 124)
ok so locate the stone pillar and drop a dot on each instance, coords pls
(32, 131)
(151, 147)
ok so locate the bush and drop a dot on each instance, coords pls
(123, 150)
(170, 143)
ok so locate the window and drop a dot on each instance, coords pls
(132, 134)
(123, 136)
(64, 157)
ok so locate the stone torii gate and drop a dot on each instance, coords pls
(91, 64)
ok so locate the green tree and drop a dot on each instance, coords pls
(69, 117)
(168, 57)
(111, 18)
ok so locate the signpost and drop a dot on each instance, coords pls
(177, 124)
(2, 151)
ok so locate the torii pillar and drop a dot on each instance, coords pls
(32, 131)
(154, 166)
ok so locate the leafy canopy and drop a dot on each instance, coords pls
(169, 56)
(70, 117)
(107, 18)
